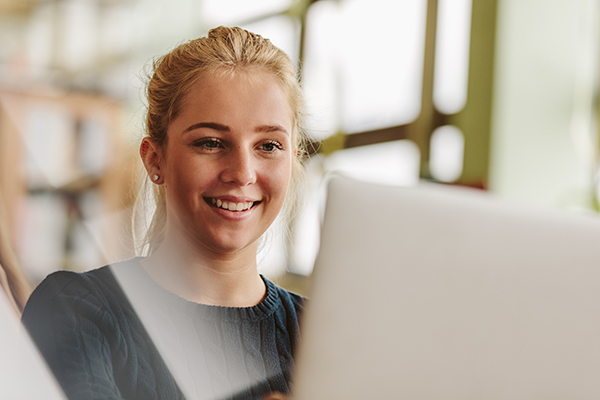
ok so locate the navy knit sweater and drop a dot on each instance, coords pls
(89, 328)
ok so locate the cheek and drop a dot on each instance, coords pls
(185, 177)
(279, 180)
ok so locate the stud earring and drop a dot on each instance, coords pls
(155, 177)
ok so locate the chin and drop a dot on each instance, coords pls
(229, 246)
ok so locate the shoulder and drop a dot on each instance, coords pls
(71, 291)
(290, 303)
(67, 284)
(291, 297)
(75, 284)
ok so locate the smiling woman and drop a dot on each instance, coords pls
(231, 143)
(193, 318)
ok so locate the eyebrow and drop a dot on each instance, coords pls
(211, 125)
(225, 128)
(271, 128)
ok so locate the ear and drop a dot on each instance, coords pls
(150, 154)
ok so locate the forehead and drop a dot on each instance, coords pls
(252, 96)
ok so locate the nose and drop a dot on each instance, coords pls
(239, 168)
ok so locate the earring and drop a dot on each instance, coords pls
(155, 177)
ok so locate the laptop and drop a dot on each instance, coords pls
(435, 292)
(23, 372)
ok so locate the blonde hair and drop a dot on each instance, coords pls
(223, 50)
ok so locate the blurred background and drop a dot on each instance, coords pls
(499, 95)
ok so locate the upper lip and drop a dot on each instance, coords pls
(233, 199)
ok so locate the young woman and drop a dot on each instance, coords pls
(193, 319)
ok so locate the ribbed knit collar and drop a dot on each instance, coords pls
(254, 313)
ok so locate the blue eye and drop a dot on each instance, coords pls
(208, 143)
(271, 146)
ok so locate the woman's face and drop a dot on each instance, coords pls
(227, 165)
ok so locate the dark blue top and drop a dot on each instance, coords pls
(89, 328)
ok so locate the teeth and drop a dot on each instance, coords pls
(231, 206)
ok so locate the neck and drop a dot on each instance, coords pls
(229, 280)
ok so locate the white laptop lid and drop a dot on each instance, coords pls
(443, 293)
(23, 372)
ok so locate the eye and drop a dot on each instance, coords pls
(271, 146)
(208, 143)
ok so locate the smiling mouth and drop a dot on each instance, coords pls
(231, 206)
